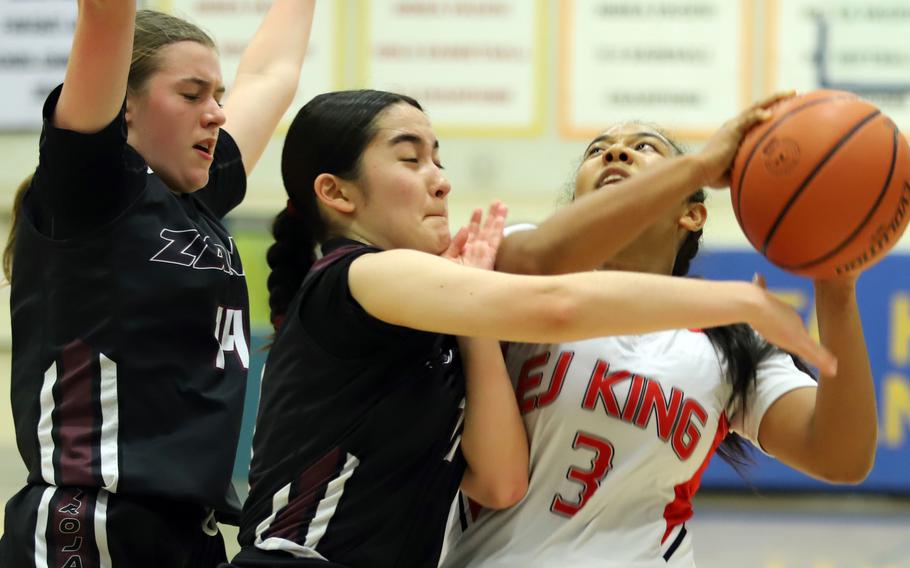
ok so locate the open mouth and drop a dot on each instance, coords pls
(611, 176)
(205, 147)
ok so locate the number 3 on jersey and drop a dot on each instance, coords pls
(590, 479)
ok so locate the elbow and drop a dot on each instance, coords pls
(849, 472)
(559, 314)
(515, 261)
(521, 253)
(845, 475)
(499, 490)
(506, 493)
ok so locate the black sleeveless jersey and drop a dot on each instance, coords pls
(130, 339)
(356, 455)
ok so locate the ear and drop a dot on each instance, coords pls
(333, 192)
(128, 113)
(694, 217)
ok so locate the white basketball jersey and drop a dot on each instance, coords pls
(620, 430)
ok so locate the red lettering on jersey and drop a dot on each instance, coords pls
(655, 402)
(686, 434)
(601, 387)
(557, 379)
(590, 478)
(527, 381)
(628, 411)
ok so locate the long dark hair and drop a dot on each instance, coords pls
(328, 135)
(741, 349)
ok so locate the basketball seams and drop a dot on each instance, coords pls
(865, 221)
(818, 167)
(789, 114)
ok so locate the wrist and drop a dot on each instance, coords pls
(696, 170)
(836, 288)
(750, 301)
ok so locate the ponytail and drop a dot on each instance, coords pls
(13, 225)
(290, 258)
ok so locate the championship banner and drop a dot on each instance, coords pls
(848, 45)
(34, 48)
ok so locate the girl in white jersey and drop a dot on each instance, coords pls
(622, 428)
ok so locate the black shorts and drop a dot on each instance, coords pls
(52, 527)
(251, 557)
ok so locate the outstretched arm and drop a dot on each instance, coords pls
(587, 233)
(494, 441)
(830, 432)
(95, 83)
(268, 76)
(424, 291)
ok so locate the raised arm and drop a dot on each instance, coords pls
(95, 82)
(494, 441)
(422, 291)
(268, 76)
(830, 432)
(591, 230)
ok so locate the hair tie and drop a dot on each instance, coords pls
(292, 211)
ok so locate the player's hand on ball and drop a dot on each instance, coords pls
(717, 155)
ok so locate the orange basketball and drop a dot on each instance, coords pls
(822, 188)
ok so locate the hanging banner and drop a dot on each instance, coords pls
(683, 64)
(861, 46)
(35, 41)
(476, 67)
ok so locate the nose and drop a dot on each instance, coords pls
(213, 115)
(441, 188)
(618, 153)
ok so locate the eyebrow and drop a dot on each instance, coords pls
(203, 83)
(637, 135)
(408, 138)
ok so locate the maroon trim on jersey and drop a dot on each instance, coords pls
(333, 256)
(292, 522)
(680, 509)
(71, 529)
(75, 422)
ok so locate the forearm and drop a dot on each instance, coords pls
(494, 442)
(425, 292)
(588, 232)
(845, 423)
(98, 66)
(279, 45)
(267, 77)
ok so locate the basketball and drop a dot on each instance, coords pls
(822, 188)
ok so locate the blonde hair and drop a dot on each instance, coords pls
(154, 31)
(14, 220)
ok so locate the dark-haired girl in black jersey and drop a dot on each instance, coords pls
(130, 324)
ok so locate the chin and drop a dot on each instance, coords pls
(194, 185)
